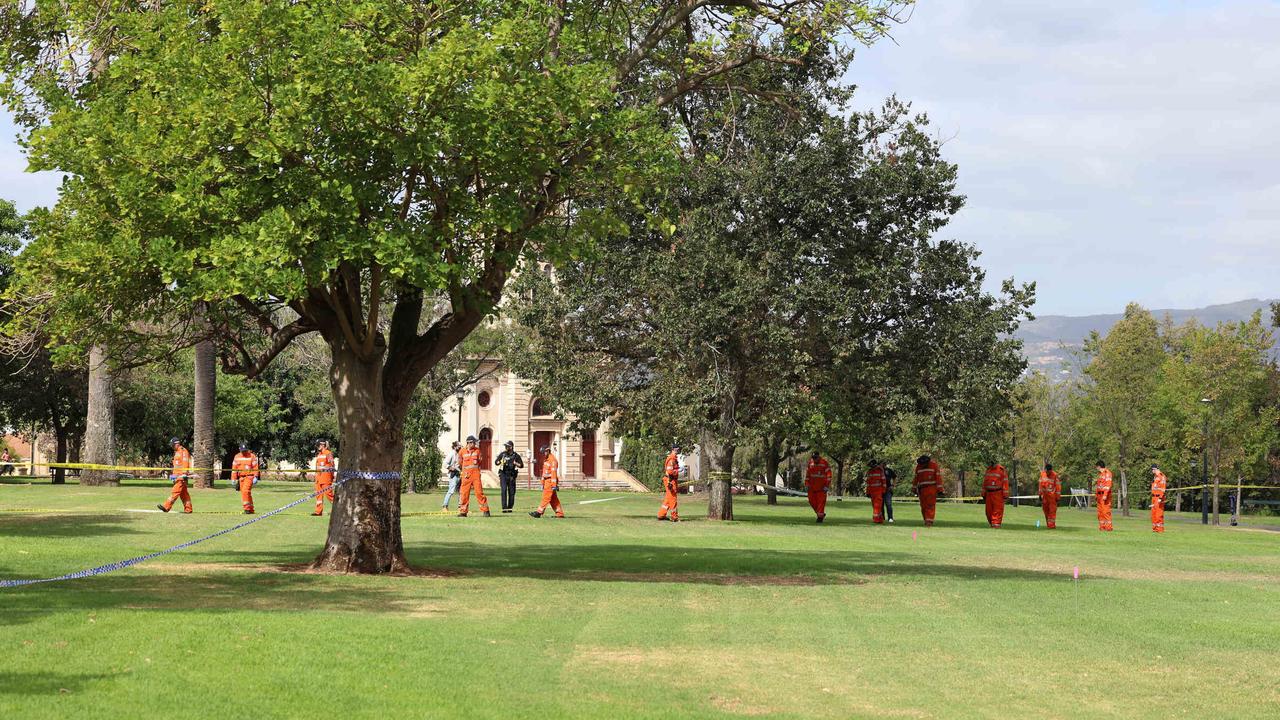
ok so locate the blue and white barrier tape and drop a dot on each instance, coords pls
(343, 476)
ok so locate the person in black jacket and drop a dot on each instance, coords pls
(509, 464)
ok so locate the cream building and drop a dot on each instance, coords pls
(501, 407)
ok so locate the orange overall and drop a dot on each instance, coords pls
(817, 479)
(1050, 491)
(550, 483)
(1102, 495)
(324, 479)
(875, 490)
(470, 457)
(671, 488)
(995, 489)
(180, 474)
(928, 485)
(1158, 485)
(244, 470)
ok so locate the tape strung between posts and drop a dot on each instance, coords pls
(343, 476)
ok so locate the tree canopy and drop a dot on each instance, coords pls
(369, 170)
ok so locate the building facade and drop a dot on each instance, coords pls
(501, 407)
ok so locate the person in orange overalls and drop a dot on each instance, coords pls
(179, 474)
(244, 473)
(470, 457)
(927, 485)
(1159, 483)
(324, 465)
(876, 484)
(1102, 495)
(817, 478)
(1050, 492)
(995, 490)
(550, 484)
(671, 486)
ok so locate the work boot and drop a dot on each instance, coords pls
(248, 512)
(661, 518)
(486, 514)
(163, 508)
(535, 514)
(316, 514)
(820, 517)
(675, 519)
(462, 514)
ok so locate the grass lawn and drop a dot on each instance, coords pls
(611, 614)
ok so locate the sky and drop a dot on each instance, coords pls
(1110, 150)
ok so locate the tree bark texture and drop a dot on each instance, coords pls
(720, 478)
(100, 424)
(364, 529)
(203, 450)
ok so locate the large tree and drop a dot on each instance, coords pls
(804, 264)
(33, 390)
(371, 171)
(1123, 367)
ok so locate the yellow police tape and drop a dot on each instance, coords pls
(133, 468)
(1225, 486)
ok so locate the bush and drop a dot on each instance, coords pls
(645, 458)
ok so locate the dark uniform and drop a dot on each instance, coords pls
(509, 464)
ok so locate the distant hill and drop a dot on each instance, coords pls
(1048, 340)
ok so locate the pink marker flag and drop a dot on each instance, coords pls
(913, 534)
(1076, 574)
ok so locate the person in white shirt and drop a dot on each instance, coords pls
(453, 466)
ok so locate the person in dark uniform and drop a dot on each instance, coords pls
(509, 464)
(889, 477)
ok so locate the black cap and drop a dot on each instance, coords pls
(243, 447)
(1101, 464)
(174, 441)
(509, 444)
(923, 460)
(1048, 467)
(471, 438)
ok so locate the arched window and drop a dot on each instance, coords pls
(539, 408)
(483, 399)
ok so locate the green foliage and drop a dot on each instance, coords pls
(155, 402)
(802, 294)
(423, 463)
(645, 458)
(33, 390)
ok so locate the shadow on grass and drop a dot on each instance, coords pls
(755, 516)
(209, 589)
(700, 565)
(60, 525)
(46, 683)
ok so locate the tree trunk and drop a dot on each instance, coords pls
(59, 454)
(1216, 478)
(203, 450)
(960, 483)
(1124, 493)
(840, 478)
(772, 457)
(100, 423)
(364, 529)
(720, 479)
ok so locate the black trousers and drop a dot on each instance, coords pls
(508, 483)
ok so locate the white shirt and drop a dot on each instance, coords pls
(453, 463)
